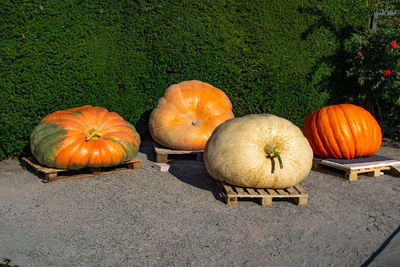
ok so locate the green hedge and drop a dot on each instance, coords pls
(267, 56)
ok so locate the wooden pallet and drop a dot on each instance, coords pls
(163, 154)
(264, 195)
(53, 175)
(372, 166)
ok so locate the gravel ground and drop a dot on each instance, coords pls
(178, 218)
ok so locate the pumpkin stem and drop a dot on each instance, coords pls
(195, 122)
(271, 149)
(93, 134)
(276, 153)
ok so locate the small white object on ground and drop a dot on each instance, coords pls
(164, 167)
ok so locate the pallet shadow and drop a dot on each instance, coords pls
(195, 173)
(340, 175)
(30, 169)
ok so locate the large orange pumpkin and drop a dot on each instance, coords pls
(187, 114)
(84, 137)
(342, 131)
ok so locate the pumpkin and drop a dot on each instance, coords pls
(342, 131)
(187, 114)
(84, 137)
(259, 151)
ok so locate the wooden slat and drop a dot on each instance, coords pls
(292, 191)
(135, 165)
(266, 201)
(252, 191)
(264, 195)
(53, 175)
(80, 176)
(272, 192)
(282, 192)
(229, 189)
(261, 191)
(165, 150)
(357, 166)
(162, 153)
(351, 171)
(370, 164)
(300, 189)
(33, 163)
(241, 192)
(303, 200)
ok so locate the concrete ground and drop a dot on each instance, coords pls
(178, 218)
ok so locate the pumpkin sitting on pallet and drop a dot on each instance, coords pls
(259, 151)
(342, 131)
(84, 137)
(187, 114)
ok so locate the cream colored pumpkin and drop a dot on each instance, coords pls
(235, 152)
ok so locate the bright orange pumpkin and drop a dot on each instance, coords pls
(84, 137)
(342, 131)
(187, 114)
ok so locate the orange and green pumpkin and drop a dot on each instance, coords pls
(84, 137)
(187, 114)
(342, 131)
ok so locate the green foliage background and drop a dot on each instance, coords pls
(281, 57)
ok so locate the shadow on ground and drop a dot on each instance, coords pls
(188, 171)
(195, 173)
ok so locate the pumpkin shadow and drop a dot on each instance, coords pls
(147, 147)
(188, 171)
(141, 125)
(195, 173)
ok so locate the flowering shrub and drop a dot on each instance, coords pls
(374, 58)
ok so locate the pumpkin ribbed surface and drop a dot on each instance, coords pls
(236, 152)
(187, 114)
(84, 137)
(342, 131)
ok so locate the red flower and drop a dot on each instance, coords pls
(387, 73)
(361, 82)
(393, 45)
(359, 53)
